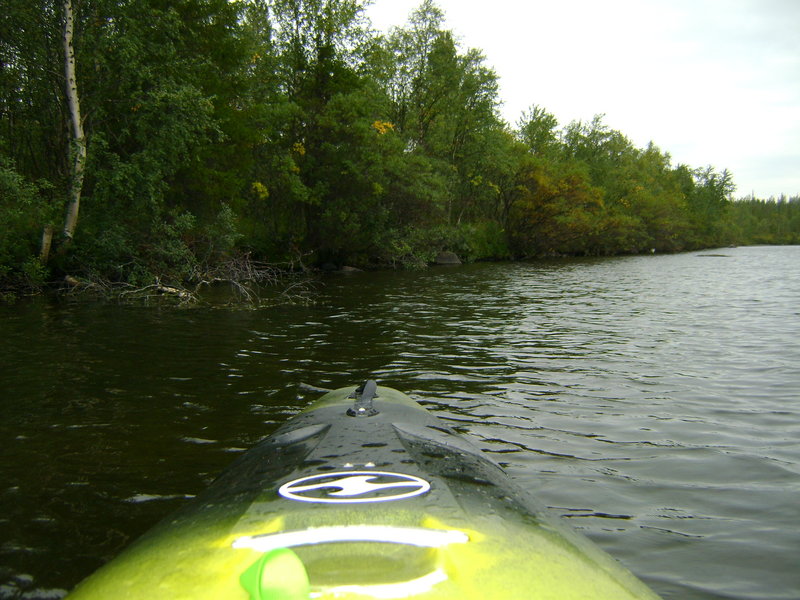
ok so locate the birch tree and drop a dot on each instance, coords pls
(77, 149)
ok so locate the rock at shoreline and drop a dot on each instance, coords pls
(332, 268)
(446, 257)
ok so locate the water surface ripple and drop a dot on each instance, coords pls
(652, 401)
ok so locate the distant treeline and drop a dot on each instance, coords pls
(290, 131)
(772, 221)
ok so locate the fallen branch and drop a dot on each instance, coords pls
(254, 283)
(158, 290)
(250, 278)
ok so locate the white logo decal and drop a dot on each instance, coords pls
(354, 486)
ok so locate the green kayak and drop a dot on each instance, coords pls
(363, 495)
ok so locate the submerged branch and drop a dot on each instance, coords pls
(250, 279)
(253, 284)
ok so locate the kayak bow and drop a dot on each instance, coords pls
(363, 495)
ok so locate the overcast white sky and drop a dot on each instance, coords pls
(712, 82)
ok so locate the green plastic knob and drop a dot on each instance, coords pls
(277, 575)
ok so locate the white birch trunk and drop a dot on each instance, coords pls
(77, 150)
(47, 240)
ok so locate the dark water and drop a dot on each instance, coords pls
(654, 401)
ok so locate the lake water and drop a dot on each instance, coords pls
(653, 401)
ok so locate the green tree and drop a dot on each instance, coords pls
(444, 103)
(159, 95)
(24, 206)
(708, 197)
(33, 141)
(32, 90)
(287, 127)
(537, 130)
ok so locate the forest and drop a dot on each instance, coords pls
(172, 140)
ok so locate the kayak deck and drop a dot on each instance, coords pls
(383, 502)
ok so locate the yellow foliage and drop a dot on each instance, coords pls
(382, 127)
(260, 190)
(299, 148)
